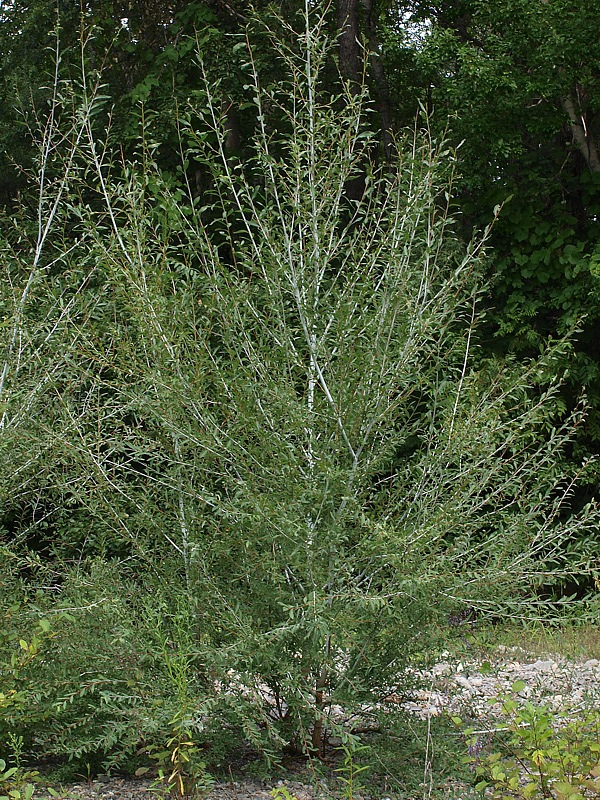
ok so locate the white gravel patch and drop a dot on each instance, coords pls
(459, 687)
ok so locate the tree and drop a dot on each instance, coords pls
(270, 400)
(513, 81)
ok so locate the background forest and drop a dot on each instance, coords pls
(298, 366)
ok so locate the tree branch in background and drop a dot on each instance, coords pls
(583, 138)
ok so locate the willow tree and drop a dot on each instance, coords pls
(274, 401)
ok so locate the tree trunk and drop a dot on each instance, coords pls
(583, 138)
(318, 730)
(381, 85)
(349, 46)
(233, 134)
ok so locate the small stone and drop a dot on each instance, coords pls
(462, 681)
(543, 666)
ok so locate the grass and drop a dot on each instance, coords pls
(574, 642)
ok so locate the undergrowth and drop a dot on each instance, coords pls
(534, 752)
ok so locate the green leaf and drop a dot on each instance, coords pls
(566, 790)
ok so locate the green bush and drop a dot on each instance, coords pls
(103, 687)
(537, 752)
(265, 409)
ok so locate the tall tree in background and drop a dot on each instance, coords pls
(516, 83)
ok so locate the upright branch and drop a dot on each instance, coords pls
(50, 196)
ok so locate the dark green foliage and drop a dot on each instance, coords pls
(515, 83)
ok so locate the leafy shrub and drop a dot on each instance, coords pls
(22, 643)
(266, 403)
(103, 686)
(537, 752)
(15, 784)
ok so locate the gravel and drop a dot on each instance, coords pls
(460, 687)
